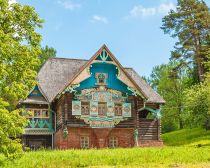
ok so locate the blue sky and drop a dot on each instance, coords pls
(130, 29)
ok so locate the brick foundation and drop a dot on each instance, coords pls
(98, 137)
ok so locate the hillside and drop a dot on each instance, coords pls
(187, 137)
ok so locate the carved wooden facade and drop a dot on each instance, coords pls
(100, 104)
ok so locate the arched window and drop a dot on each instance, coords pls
(113, 142)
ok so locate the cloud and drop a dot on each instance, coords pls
(12, 2)
(140, 11)
(164, 8)
(97, 18)
(69, 5)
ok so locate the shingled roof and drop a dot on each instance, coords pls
(57, 72)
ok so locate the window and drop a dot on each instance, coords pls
(102, 109)
(38, 113)
(45, 113)
(113, 142)
(84, 142)
(85, 108)
(118, 109)
(101, 78)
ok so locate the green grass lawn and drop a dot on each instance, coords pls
(181, 151)
(187, 137)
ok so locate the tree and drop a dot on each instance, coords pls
(197, 106)
(11, 124)
(46, 53)
(170, 83)
(19, 51)
(190, 23)
(197, 101)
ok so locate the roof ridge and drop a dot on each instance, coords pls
(69, 58)
(81, 60)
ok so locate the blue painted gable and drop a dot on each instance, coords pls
(35, 92)
(112, 81)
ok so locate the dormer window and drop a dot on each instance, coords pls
(101, 78)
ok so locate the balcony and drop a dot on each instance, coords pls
(40, 123)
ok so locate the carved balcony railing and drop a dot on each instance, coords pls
(40, 123)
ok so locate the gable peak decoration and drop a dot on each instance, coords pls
(104, 55)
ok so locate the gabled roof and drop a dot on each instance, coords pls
(153, 97)
(42, 99)
(111, 56)
(57, 73)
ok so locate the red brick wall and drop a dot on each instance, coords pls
(98, 137)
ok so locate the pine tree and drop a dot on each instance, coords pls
(190, 24)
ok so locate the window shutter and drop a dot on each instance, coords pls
(93, 108)
(76, 107)
(126, 110)
(110, 109)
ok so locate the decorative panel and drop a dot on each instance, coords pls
(126, 109)
(93, 108)
(76, 107)
(110, 108)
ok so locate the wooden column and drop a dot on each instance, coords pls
(137, 112)
(65, 109)
(137, 119)
(158, 128)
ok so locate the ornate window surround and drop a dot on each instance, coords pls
(101, 78)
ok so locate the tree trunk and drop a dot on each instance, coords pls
(200, 68)
(180, 118)
(199, 59)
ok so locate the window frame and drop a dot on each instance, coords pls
(85, 104)
(84, 140)
(118, 109)
(113, 142)
(98, 82)
(100, 111)
(32, 110)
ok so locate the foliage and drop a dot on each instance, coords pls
(19, 46)
(11, 124)
(187, 137)
(197, 106)
(190, 24)
(170, 83)
(19, 50)
(197, 101)
(46, 53)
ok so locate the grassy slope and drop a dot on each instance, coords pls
(174, 155)
(187, 137)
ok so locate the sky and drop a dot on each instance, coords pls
(129, 28)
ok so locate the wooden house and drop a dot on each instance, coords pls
(93, 103)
